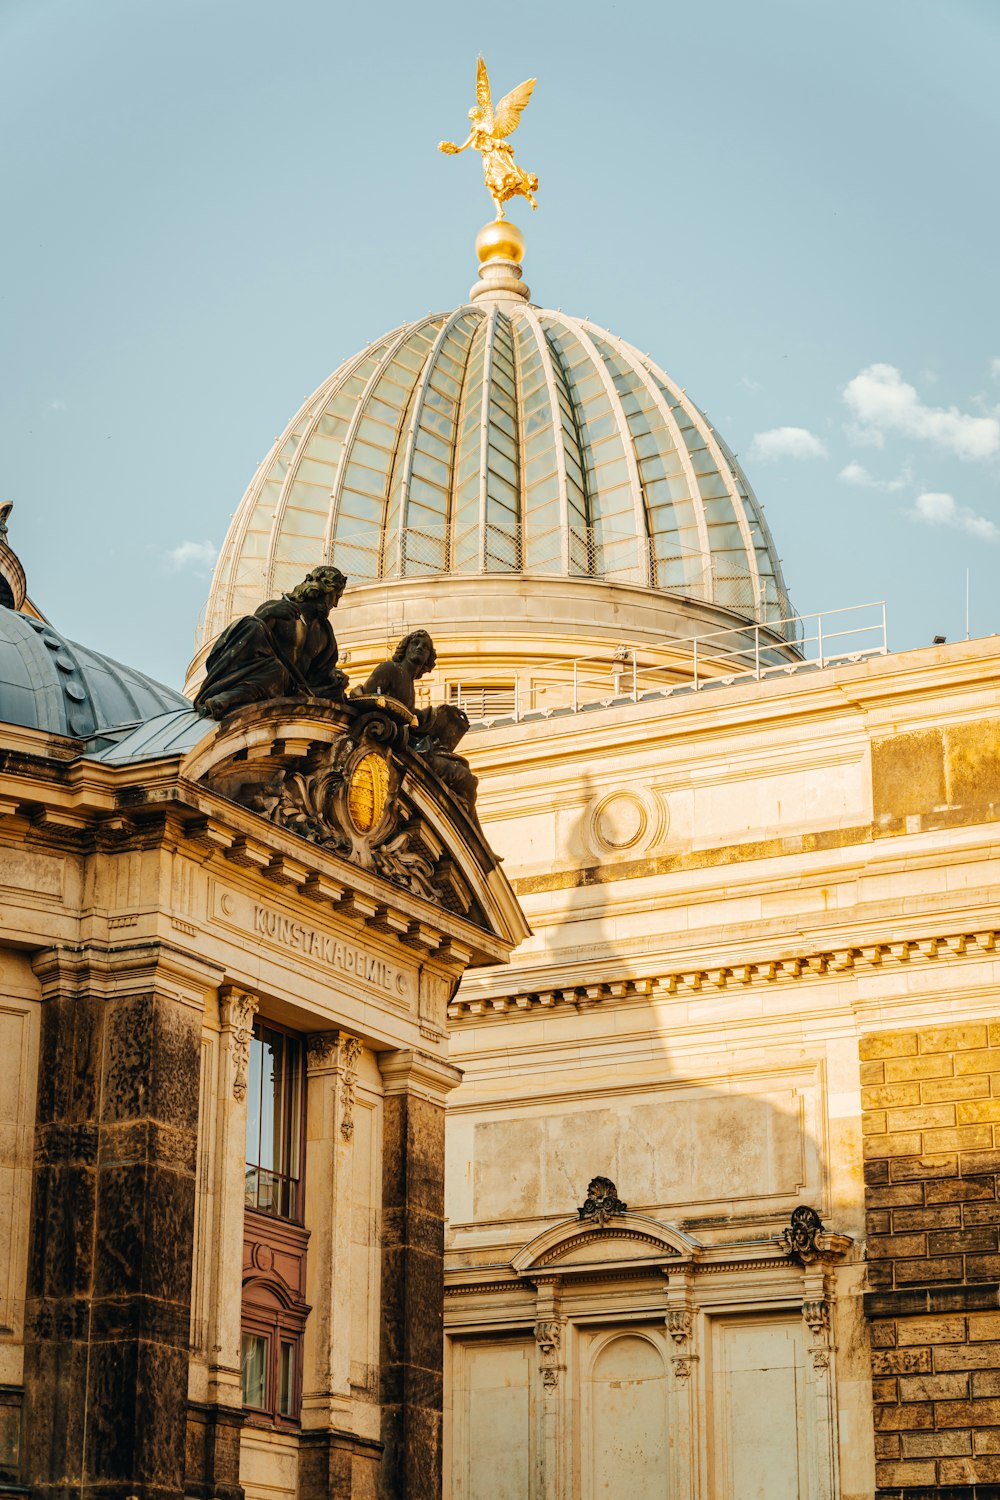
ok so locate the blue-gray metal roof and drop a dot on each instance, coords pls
(48, 682)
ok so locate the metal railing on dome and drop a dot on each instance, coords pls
(597, 552)
(752, 652)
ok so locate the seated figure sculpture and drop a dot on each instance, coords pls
(414, 657)
(286, 648)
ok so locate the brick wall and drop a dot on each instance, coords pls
(931, 1121)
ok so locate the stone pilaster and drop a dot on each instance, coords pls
(332, 1060)
(550, 1336)
(412, 1273)
(109, 1280)
(682, 1326)
(214, 1425)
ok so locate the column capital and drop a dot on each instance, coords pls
(417, 1073)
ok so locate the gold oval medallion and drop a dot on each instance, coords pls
(367, 792)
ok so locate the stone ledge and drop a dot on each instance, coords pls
(942, 1492)
(918, 1301)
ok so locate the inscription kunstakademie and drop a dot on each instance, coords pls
(346, 957)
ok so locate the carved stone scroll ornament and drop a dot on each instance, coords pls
(603, 1202)
(350, 1051)
(237, 1009)
(548, 1336)
(801, 1234)
(680, 1323)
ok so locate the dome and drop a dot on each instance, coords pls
(50, 683)
(502, 439)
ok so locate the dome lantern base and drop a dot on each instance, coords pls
(500, 248)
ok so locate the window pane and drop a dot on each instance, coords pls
(286, 1381)
(253, 1102)
(253, 1369)
(274, 1122)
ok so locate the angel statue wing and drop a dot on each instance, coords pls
(483, 93)
(508, 111)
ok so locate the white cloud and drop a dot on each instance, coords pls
(995, 368)
(863, 437)
(196, 556)
(855, 473)
(57, 406)
(755, 385)
(882, 401)
(787, 442)
(942, 510)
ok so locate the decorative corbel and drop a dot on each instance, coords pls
(679, 1321)
(548, 1337)
(338, 1052)
(237, 1009)
(808, 1241)
(816, 1313)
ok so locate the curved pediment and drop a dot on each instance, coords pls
(344, 777)
(576, 1244)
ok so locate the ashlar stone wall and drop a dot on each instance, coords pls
(931, 1101)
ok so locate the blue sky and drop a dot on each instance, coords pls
(208, 204)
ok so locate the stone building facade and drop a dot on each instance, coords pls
(715, 1216)
(224, 1065)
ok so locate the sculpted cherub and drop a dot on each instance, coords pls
(490, 129)
(445, 726)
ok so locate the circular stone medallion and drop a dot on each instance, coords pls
(623, 820)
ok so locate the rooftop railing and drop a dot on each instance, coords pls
(710, 659)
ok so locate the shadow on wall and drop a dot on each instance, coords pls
(725, 1139)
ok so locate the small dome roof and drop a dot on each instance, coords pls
(50, 683)
(502, 438)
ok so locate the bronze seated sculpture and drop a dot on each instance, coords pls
(414, 657)
(287, 648)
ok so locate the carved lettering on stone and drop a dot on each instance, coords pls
(548, 1336)
(237, 1009)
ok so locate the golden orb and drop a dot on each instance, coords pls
(500, 240)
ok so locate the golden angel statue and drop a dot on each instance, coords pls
(490, 129)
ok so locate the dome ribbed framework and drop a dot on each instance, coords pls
(502, 439)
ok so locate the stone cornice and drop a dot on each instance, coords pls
(85, 808)
(689, 980)
(126, 969)
(417, 1073)
(964, 673)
